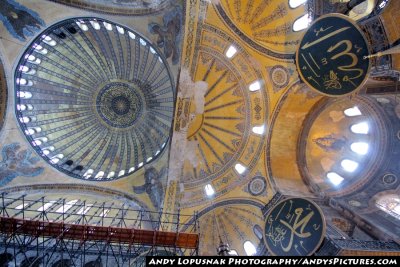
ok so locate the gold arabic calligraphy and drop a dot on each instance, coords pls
(293, 228)
(291, 225)
(339, 52)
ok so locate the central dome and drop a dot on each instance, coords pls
(119, 104)
(94, 98)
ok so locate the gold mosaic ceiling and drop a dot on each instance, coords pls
(241, 139)
(226, 125)
(226, 139)
(266, 23)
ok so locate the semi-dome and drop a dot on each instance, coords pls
(94, 98)
(347, 154)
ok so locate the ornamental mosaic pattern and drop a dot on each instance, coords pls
(260, 24)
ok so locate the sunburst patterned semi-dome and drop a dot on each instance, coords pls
(94, 98)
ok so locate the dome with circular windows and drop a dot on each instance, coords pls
(94, 98)
(336, 157)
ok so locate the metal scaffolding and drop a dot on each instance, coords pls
(44, 232)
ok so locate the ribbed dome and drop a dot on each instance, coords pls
(94, 98)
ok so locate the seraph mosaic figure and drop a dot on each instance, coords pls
(152, 185)
(169, 33)
(17, 163)
(20, 21)
(330, 143)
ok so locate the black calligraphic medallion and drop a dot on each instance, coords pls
(294, 227)
(330, 57)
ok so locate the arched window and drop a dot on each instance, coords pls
(95, 24)
(100, 174)
(360, 148)
(351, 112)
(120, 30)
(131, 35)
(258, 231)
(360, 128)
(108, 26)
(255, 86)
(84, 209)
(67, 206)
(240, 168)
(296, 3)
(56, 158)
(335, 178)
(104, 213)
(40, 49)
(24, 94)
(21, 107)
(46, 206)
(82, 25)
(209, 190)
(24, 119)
(349, 165)
(249, 248)
(390, 204)
(233, 252)
(231, 51)
(21, 206)
(88, 173)
(258, 129)
(383, 4)
(301, 23)
(41, 140)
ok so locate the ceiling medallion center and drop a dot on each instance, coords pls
(119, 105)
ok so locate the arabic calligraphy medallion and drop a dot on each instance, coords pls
(330, 57)
(294, 227)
